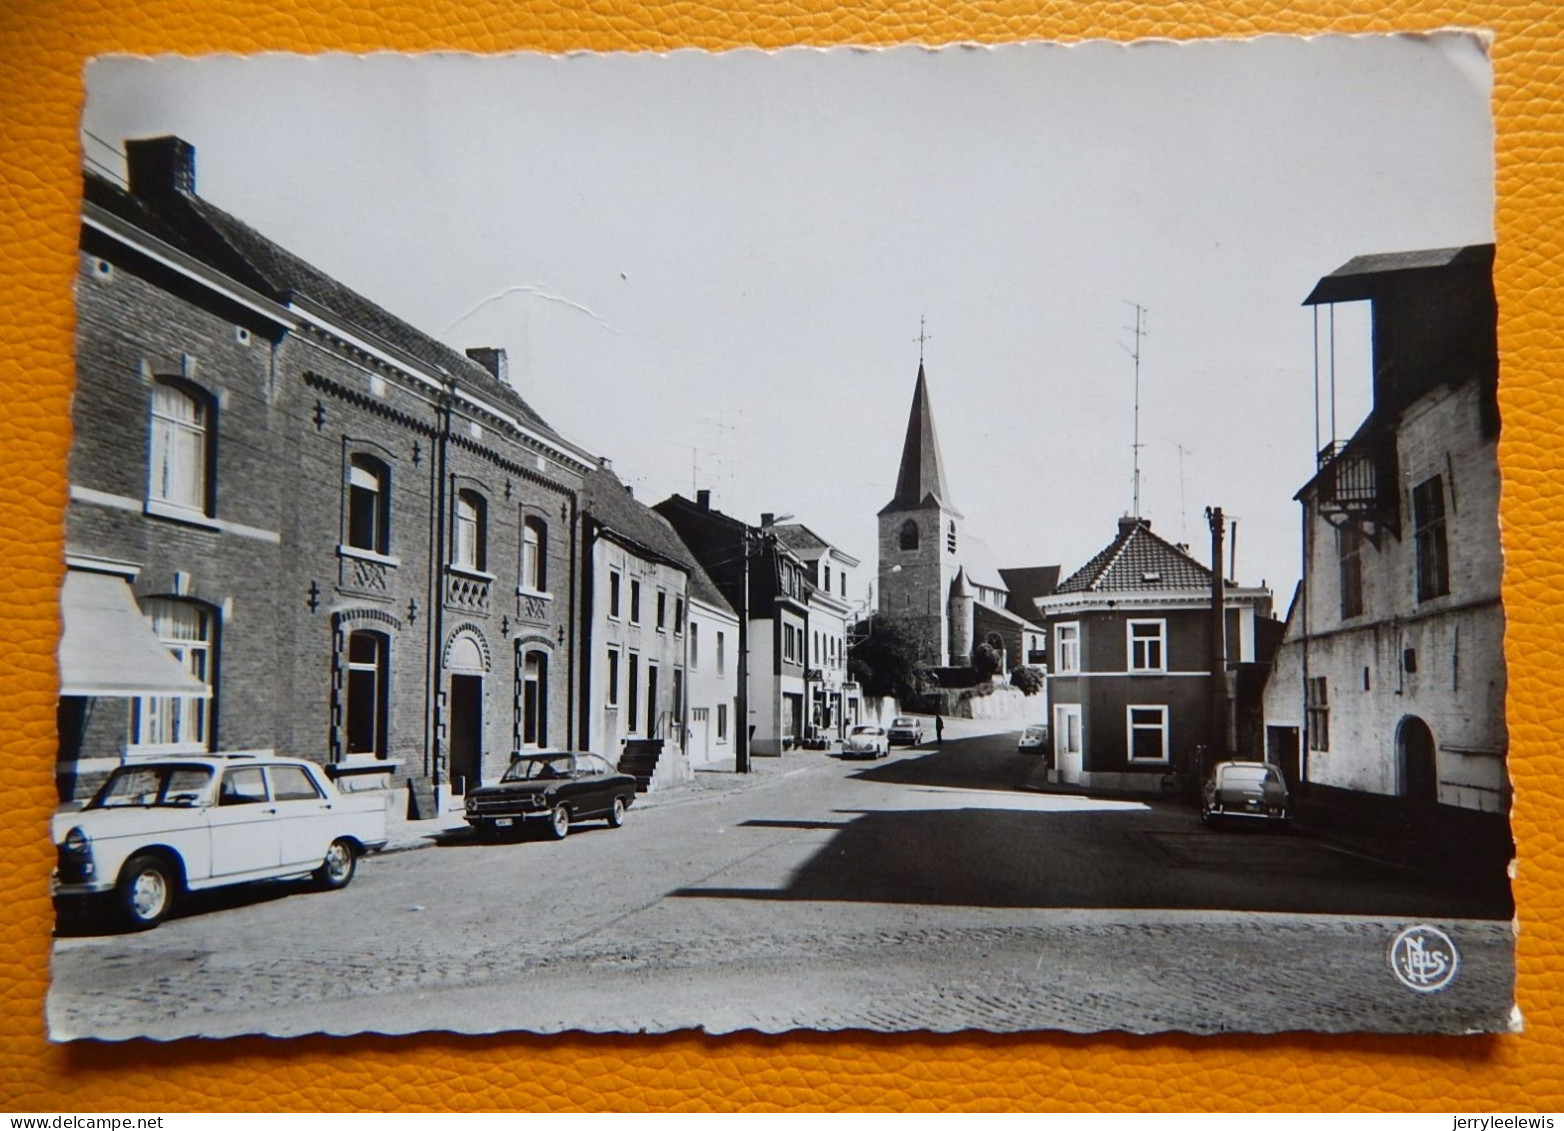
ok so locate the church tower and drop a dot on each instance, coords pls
(920, 538)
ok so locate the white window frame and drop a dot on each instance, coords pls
(722, 652)
(179, 449)
(695, 645)
(635, 600)
(1131, 660)
(1067, 647)
(534, 555)
(187, 716)
(1131, 726)
(616, 588)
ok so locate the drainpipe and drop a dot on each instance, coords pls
(741, 735)
(437, 767)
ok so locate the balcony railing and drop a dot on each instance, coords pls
(1358, 478)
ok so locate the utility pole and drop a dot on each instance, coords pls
(1218, 743)
(741, 724)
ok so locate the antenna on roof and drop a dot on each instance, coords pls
(1139, 330)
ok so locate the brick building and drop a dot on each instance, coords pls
(359, 544)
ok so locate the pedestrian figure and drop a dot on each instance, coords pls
(939, 729)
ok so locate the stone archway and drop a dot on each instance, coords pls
(1416, 764)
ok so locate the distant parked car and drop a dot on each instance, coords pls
(557, 788)
(1034, 739)
(1249, 790)
(905, 731)
(159, 829)
(866, 742)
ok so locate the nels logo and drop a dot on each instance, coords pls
(1424, 959)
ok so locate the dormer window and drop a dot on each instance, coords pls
(1151, 575)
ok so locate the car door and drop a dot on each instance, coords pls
(243, 825)
(304, 815)
(591, 785)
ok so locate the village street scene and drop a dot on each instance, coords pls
(389, 705)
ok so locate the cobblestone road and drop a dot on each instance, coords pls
(837, 896)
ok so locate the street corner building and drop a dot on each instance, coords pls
(296, 523)
(1387, 695)
(1151, 652)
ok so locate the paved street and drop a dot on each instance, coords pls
(925, 891)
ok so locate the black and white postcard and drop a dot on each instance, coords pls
(978, 538)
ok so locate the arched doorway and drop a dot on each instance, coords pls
(467, 661)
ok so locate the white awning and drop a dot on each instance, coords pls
(108, 649)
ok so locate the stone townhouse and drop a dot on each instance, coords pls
(635, 598)
(1387, 697)
(359, 544)
(834, 701)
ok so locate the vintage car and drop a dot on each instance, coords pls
(905, 731)
(866, 742)
(1249, 790)
(160, 828)
(1034, 739)
(555, 787)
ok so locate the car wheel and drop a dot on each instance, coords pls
(559, 822)
(146, 890)
(1206, 816)
(336, 871)
(616, 815)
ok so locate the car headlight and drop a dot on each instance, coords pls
(472, 803)
(77, 842)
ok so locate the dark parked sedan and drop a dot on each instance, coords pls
(558, 788)
(1250, 790)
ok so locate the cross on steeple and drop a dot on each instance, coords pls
(921, 338)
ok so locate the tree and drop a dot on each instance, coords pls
(887, 660)
(985, 661)
(1029, 679)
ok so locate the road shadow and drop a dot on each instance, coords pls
(82, 918)
(987, 857)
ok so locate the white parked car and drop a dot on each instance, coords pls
(866, 742)
(158, 829)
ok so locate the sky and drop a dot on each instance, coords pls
(712, 268)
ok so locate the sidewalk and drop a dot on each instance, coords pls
(713, 778)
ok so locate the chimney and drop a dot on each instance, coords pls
(494, 360)
(767, 518)
(1130, 522)
(629, 490)
(160, 166)
(703, 500)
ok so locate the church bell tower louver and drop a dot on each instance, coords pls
(920, 538)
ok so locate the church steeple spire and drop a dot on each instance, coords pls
(921, 479)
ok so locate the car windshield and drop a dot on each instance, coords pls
(540, 769)
(145, 786)
(902, 722)
(866, 730)
(1036, 732)
(1249, 775)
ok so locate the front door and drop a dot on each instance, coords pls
(1419, 777)
(465, 732)
(1067, 741)
(1281, 745)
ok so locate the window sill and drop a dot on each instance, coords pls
(469, 571)
(346, 551)
(156, 509)
(539, 594)
(1145, 671)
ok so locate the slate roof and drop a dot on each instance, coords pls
(920, 481)
(1026, 584)
(800, 539)
(228, 245)
(978, 562)
(608, 502)
(1125, 563)
(1349, 282)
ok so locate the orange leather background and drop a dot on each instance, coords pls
(43, 45)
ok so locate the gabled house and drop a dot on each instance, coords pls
(1387, 697)
(1131, 687)
(711, 649)
(766, 584)
(834, 701)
